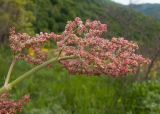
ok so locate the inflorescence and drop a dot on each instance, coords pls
(8, 106)
(95, 55)
(88, 52)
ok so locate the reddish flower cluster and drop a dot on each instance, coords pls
(95, 55)
(20, 44)
(8, 106)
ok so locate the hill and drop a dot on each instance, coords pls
(148, 9)
(52, 15)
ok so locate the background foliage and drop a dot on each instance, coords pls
(14, 13)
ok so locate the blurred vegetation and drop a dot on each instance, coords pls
(52, 15)
(53, 90)
(14, 13)
(148, 9)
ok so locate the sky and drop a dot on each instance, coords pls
(126, 2)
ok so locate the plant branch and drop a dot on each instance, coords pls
(9, 72)
(27, 74)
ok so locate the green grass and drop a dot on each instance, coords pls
(55, 91)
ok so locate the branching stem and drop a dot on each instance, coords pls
(9, 72)
(12, 84)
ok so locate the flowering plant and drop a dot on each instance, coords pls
(80, 49)
(8, 106)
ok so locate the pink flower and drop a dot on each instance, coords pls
(98, 56)
(95, 55)
(8, 106)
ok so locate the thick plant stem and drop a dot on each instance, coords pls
(27, 74)
(9, 72)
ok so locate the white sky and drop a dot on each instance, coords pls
(136, 1)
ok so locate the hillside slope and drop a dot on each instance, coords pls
(52, 15)
(148, 9)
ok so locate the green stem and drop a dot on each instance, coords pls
(9, 72)
(27, 74)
